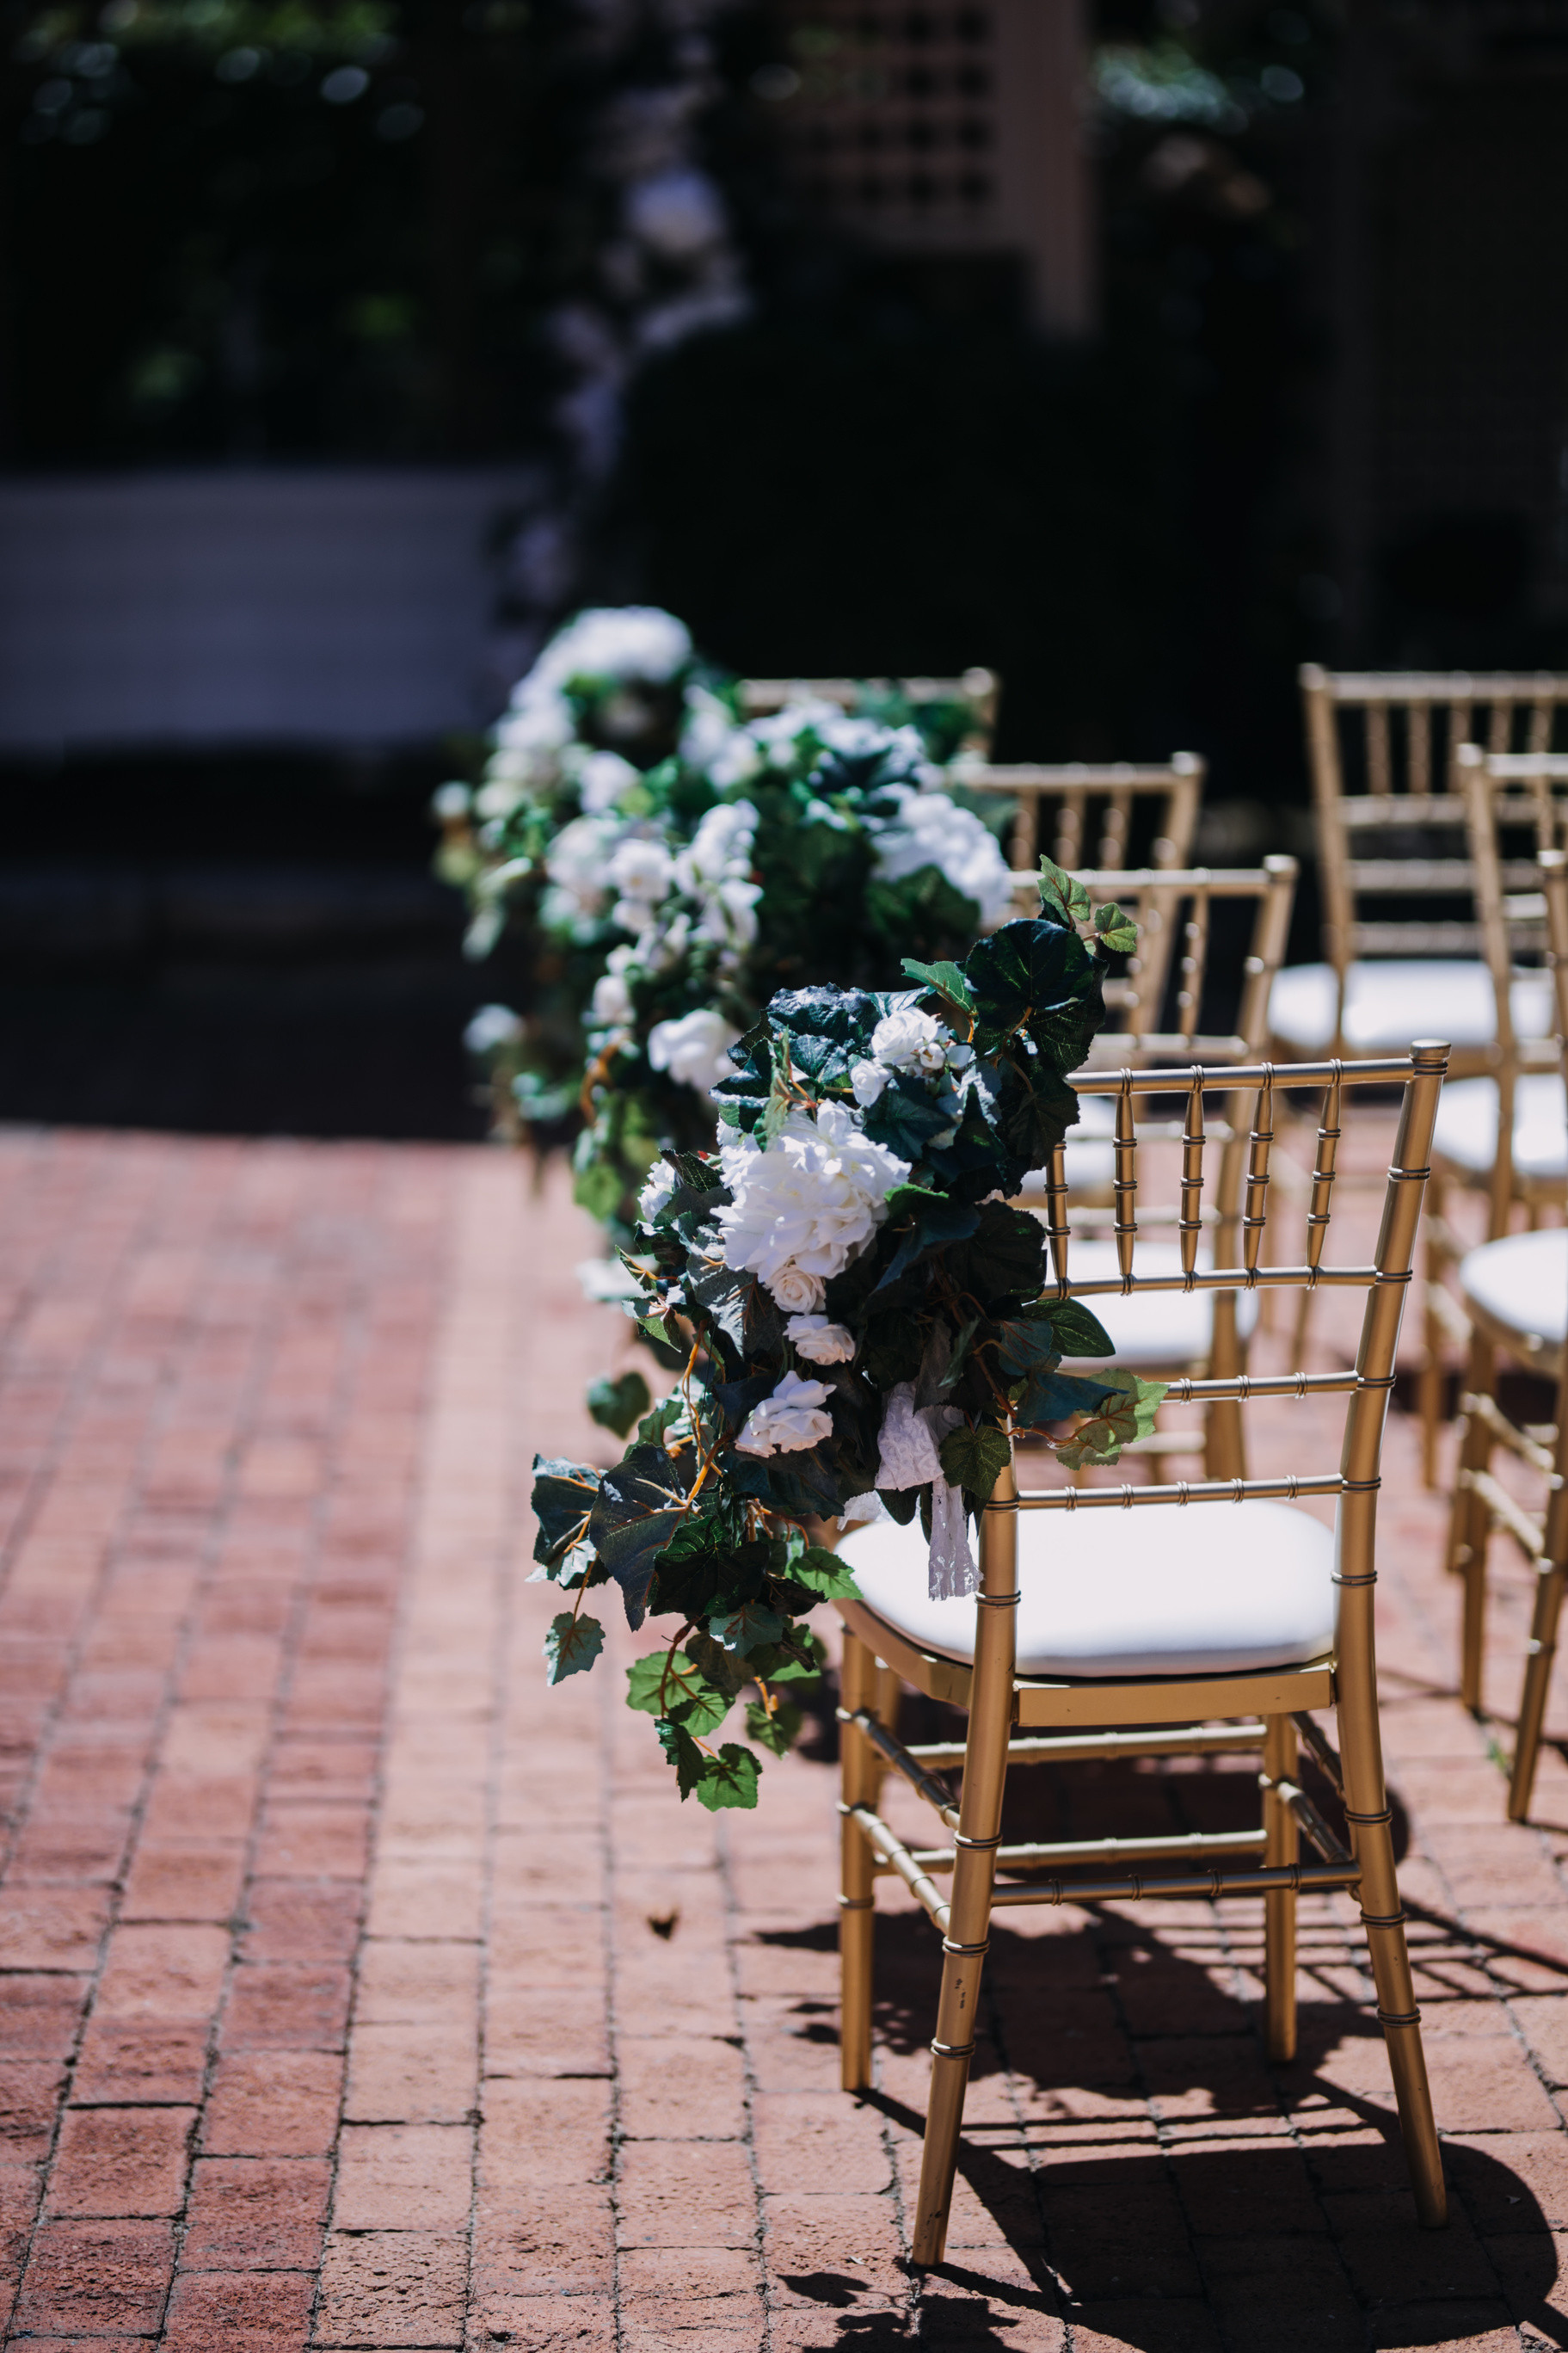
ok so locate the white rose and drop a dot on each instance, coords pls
(642, 870)
(627, 642)
(798, 1294)
(695, 1050)
(612, 1000)
(657, 1188)
(602, 778)
(491, 1026)
(577, 860)
(792, 1417)
(910, 1040)
(819, 1341)
(868, 1080)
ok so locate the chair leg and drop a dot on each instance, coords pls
(1470, 1524)
(1550, 1575)
(979, 1834)
(1282, 1846)
(856, 1900)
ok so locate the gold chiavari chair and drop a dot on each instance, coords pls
(1197, 1332)
(1112, 806)
(1190, 1633)
(980, 688)
(1504, 1135)
(1382, 749)
(1515, 1292)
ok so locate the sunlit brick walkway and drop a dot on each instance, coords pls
(356, 1992)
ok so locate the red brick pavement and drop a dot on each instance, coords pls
(357, 1992)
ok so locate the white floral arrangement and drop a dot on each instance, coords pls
(674, 863)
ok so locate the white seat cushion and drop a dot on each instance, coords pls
(1466, 1129)
(1387, 1004)
(1523, 1280)
(1152, 1330)
(1195, 1589)
(1090, 1156)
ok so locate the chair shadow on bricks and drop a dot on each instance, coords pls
(1130, 2159)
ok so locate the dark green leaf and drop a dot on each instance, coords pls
(640, 1505)
(775, 1731)
(1004, 1262)
(906, 1115)
(1034, 1107)
(683, 1753)
(665, 1415)
(975, 1458)
(677, 1687)
(902, 1502)
(729, 1779)
(747, 1628)
(824, 1574)
(572, 1646)
(616, 1404)
(1127, 1412)
(723, 1669)
(1049, 1395)
(892, 1350)
(563, 1497)
(1077, 1333)
(1039, 978)
(1062, 894)
(947, 980)
(720, 1293)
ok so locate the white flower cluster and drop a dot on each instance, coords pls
(695, 1050)
(610, 646)
(795, 1416)
(806, 1204)
(907, 1040)
(930, 829)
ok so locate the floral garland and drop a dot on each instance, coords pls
(863, 1322)
(677, 865)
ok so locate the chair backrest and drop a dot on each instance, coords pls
(1515, 808)
(1554, 869)
(1385, 1279)
(1383, 750)
(980, 688)
(1090, 810)
(1173, 910)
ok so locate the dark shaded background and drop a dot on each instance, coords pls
(1332, 264)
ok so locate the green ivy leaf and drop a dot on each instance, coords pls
(565, 1495)
(1076, 1332)
(722, 1668)
(975, 1458)
(616, 1404)
(823, 1573)
(571, 1646)
(747, 1628)
(1117, 929)
(683, 1753)
(640, 1505)
(678, 1688)
(947, 980)
(1004, 1261)
(598, 1189)
(729, 1779)
(775, 1730)
(1062, 894)
(1127, 1412)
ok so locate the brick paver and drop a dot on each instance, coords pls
(357, 1992)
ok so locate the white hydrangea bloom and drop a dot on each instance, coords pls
(602, 778)
(735, 762)
(491, 1026)
(811, 1200)
(641, 873)
(708, 729)
(658, 1186)
(819, 1341)
(721, 846)
(577, 860)
(614, 641)
(612, 1000)
(694, 1049)
(792, 1417)
(858, 739)
(931, 831)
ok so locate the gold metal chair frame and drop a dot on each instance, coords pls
(1155, 898)
(1029, 1720)
(1417, 700)
(760, 697)
(1499, 792)
(1482, 1505)
(1111, 795)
